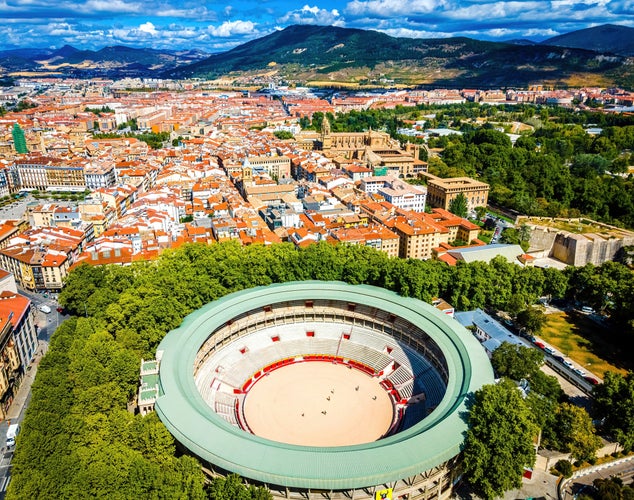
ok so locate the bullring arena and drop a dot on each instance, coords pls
(322, 390)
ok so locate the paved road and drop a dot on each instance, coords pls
(623, 468)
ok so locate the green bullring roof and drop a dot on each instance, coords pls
(434, 440)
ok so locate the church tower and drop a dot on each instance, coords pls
(326, 139)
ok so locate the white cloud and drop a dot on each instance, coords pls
(60, 29)
(412, 33)
(391, 8)
(312, 15)
(232, 28)
(197, 14)
(110, 6)
(540, 32)
(148, 28)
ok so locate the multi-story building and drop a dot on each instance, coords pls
(100, 176)
(36, 268)
(10, 368)
(417, 236)
(397, 192)
(40, 258)
(375, 236)
(119, 197)
(278, 167)
(19, 309)
(39, 172)
(441, 192)
(420, 233)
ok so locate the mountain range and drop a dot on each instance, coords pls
(112, 62)
(333, 56)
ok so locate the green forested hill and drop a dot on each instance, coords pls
(310, 53)
(609, 38)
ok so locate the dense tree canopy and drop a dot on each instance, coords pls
(516, 361)
(614, 402)
(499, 443)
(79, 439)
(573, 432)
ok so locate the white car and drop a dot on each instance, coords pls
(568, 364)
(44, 308)
(580, 372)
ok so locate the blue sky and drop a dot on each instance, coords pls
(216, 26)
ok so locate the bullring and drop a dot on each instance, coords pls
(425, 363)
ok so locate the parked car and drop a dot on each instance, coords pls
(540, 345)
(579, 372)
(559, 358)
(568, 364)
(592, 380)
(549, 350)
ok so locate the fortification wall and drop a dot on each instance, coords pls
(579, 249)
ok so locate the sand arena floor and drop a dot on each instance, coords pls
(318, 404)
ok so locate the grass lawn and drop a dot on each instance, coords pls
(485, 235)
(596, 348)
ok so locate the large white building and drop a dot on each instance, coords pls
(399, 193)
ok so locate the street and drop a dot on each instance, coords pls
(46, 325)
(623, 469)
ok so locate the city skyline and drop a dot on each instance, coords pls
(184, 24)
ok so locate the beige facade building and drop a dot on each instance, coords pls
(376, 149)
(375, 236)
(441, 192)
(37, 172)
(36, 268)
(9, 366)
(278, 167)
(420, 233)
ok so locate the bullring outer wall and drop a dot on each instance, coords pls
(425, 453)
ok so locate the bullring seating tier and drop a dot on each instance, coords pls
(323, 312)
(251, 353)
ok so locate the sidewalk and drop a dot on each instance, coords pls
(25, 387)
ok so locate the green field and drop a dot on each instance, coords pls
(597, 348)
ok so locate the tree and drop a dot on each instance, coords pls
(458, 206)
(516, 361)
(614, 402)
(283, 134)
(499, 442)
(610, 488)
(232, 488)
(532, 319)
(480, 212)
(564, 467)
(574, 432)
